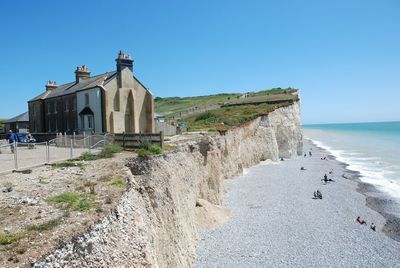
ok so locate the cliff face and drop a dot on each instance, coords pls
(155, 222)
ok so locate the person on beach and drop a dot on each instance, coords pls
(302, 168)
(310, 154)
(317, 194)
(360, 221)
(282, 159)
(325, 179)
(12, 138)
(305, 155)
(373, 227)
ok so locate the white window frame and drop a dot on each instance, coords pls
(90, 121)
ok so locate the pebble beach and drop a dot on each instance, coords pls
(276, 222)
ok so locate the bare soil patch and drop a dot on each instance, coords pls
(47, 208)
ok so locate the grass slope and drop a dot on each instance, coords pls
(173, 105)
(228, 117)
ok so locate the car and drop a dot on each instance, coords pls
(22, 138)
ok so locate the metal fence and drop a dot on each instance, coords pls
(18, 156)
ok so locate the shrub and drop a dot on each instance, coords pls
(109, 150)
(6, 239)
(82, 205)
(87, 157)
(66, 197)
(73, 200)
(68, 163)
(44, 227)
(118, 182)
(207, 116)
(147, 149)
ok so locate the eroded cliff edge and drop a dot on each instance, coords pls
(154, 224)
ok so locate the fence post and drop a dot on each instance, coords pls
(74, 136)
(65, 139)
(15, 155)
(84, 139)
(47, 152)
(161, 139)
(70, 152)
(123, 140)
(89, 144)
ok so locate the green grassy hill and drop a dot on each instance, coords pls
(173, 105)
(235, 108)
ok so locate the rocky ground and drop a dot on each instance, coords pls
(33, 222)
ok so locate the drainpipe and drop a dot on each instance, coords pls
(103, 112)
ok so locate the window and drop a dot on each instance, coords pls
(73, 104)
(49, 126)
(55, 107)
(90, 122)
(67, 105)
(87, 99)
(67, 124)
(48, 108)
(56, 125)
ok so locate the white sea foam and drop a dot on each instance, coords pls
(373, 170)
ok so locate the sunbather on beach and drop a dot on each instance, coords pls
(373, 227)
(302, 168)
(360, 221)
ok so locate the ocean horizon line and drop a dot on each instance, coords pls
(350, 123)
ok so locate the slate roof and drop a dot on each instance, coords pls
(86, 111)
(24, 117)
(73, 87)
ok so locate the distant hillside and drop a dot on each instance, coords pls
(223, 111)
(174, 105)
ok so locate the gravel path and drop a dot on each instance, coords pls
(276, 223)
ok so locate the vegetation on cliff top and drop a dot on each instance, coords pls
(227, 117)
(173, 105)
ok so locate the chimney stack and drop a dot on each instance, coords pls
(124, 61)
(81, 73)
(51, 85)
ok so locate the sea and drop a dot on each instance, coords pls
(372, 149)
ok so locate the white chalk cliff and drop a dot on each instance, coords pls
(154, 224)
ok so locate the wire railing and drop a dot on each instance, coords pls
(17, 156)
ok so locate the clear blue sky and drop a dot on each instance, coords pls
(343, 55)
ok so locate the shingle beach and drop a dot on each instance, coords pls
(277, 223)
